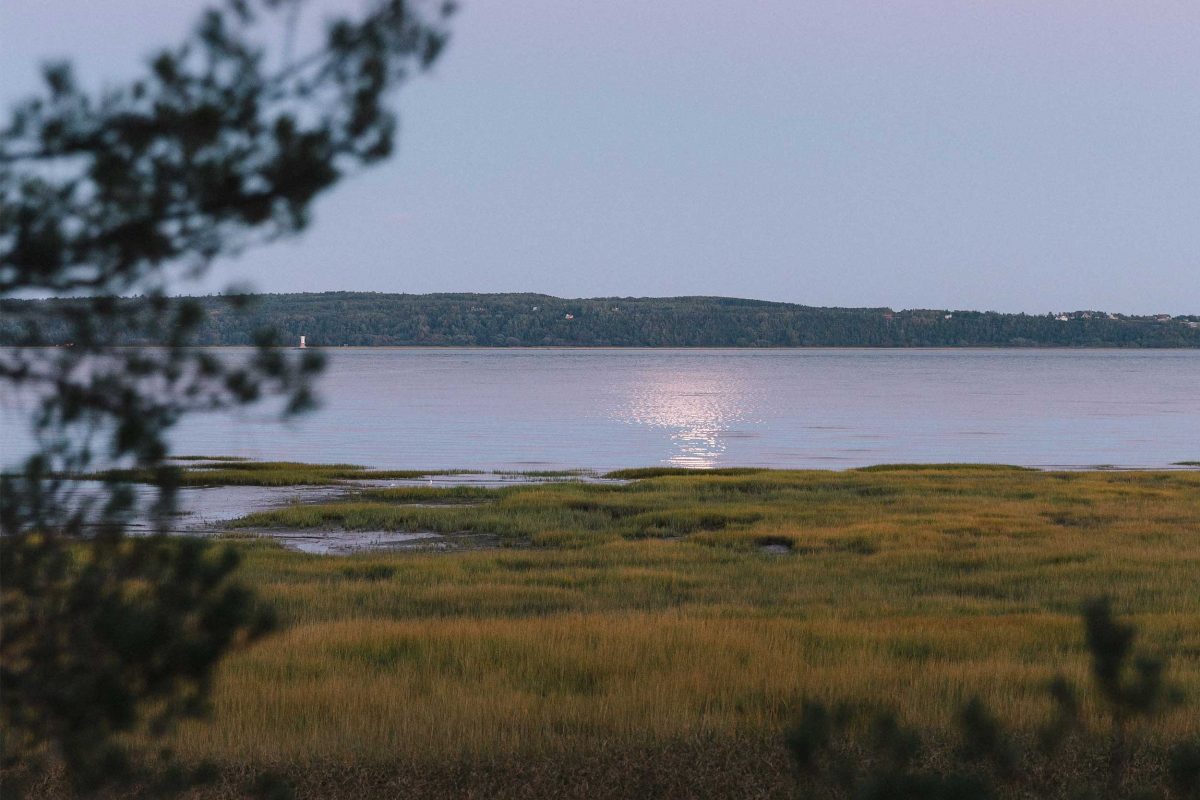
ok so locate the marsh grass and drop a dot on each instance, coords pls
(640, 630)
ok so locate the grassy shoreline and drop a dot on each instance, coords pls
(646, 618)
(214, 471)
(656, 636)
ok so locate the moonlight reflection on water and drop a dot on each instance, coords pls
(697, 411)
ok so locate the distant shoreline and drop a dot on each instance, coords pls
(659, 348)
(362, 319)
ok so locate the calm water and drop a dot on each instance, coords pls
(557, 409)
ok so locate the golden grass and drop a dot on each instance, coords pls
(643, 619)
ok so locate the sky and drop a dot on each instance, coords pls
(1014, 155)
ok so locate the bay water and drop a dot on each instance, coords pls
(551, 409)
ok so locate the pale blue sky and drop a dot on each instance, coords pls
(1018, 155)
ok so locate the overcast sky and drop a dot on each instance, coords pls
(1018, 155)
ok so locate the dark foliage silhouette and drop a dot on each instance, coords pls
(875, 756)
(110, 639)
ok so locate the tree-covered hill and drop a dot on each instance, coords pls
(333, 319)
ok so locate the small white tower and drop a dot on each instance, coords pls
(302, 344)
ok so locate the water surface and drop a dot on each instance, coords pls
(522, 409)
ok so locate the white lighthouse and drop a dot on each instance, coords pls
(302, 344)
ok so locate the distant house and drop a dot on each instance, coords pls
(1062, 318)
(949, 316)
(1162, 317)
(570, 316)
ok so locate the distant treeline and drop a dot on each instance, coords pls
(334, 319)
